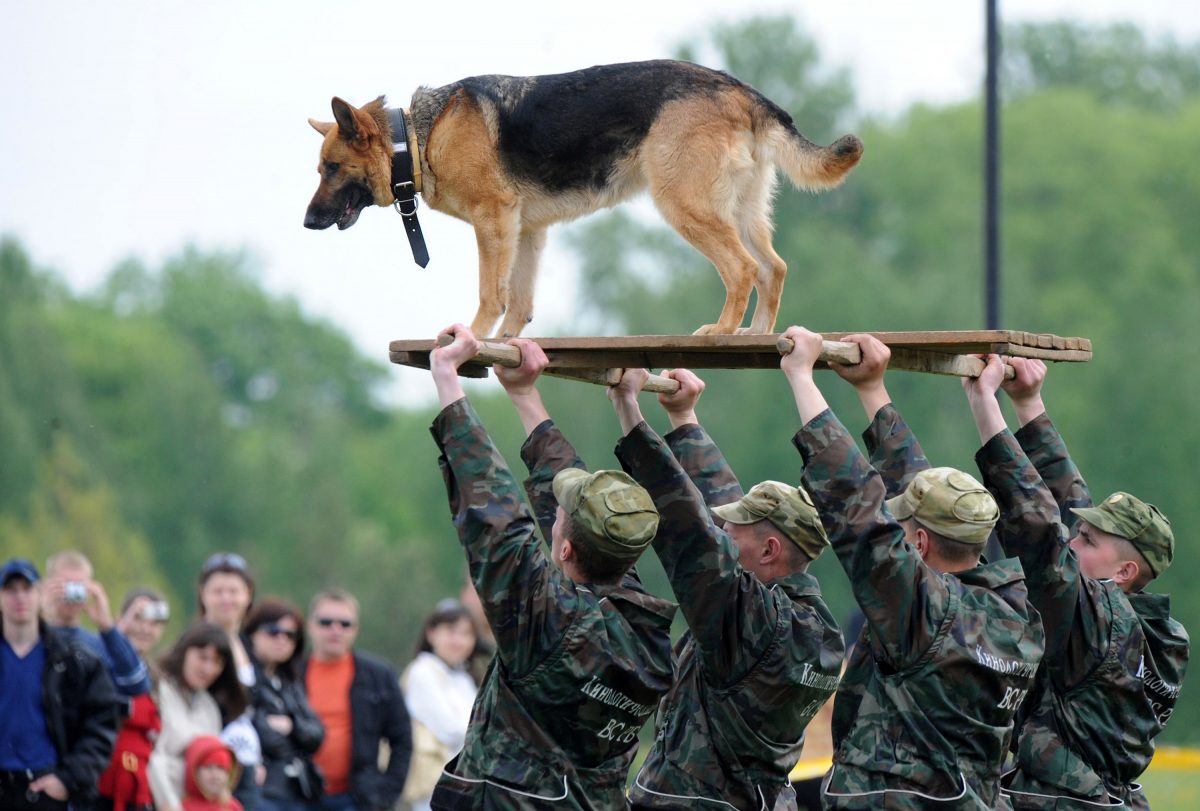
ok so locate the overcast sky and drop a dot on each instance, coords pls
(134, 128)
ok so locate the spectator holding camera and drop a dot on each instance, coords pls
(69, 593)
(125, 786)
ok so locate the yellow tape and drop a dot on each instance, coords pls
(1175, 758)
(808, 769)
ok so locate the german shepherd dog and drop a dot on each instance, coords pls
(514, 154)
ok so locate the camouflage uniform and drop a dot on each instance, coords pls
(1114, 661)
(758, 661)
(578, 669)
(952, 654)
(898, 456)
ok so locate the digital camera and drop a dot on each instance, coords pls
(74, 592)
(157, 611)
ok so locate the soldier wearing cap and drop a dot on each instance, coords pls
(762, 653)
(583, 651)
(954, 642)
(1115, 657)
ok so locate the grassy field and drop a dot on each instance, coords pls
(1172, 789)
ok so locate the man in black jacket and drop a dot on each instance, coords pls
(57, 703)
(358, 699)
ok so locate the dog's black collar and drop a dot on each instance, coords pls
(404, 185)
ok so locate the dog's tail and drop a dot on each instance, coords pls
(810, 166)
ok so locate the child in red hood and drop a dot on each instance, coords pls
(210, 773)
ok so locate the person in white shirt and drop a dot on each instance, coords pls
(439, 692)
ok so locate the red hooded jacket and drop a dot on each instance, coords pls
(201, 749)
(124, 781)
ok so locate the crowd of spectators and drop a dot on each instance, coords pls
(236, 714)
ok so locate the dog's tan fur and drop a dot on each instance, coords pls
(708, 162)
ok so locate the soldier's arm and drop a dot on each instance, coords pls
(1030, 530)
(696, 451)
(904, 601)
(522, 593)
(891, 445)
(1042, 442)
(730, 613)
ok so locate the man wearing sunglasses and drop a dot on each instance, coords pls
(357, 697)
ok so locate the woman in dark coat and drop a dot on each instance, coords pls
(287, 726)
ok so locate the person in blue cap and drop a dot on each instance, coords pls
(59, 706)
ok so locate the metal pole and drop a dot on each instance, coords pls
(991, 174)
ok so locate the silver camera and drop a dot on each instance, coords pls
(156, 612)
(74, 592)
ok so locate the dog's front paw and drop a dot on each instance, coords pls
(714, 329)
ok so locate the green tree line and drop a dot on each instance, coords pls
(183, 409)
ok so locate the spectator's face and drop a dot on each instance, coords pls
(213, 781)
(452, 642)
(275, 641)
(201, 667)
(19, 601)
(225, 597)
(58, 610)
(142, 633)
(333, 628)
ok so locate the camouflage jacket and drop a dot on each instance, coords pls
(1114, 662)
(578, 668)
(758, 661)
(898, 456)
(952, 654)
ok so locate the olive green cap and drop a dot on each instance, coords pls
(615, 513)
(949, 502)
(1142, 524)
(789, 508)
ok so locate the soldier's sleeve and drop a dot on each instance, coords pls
(545, 452)
(1029, 529)
(903, 600)
(704, 463)
(1044, 446)
(729, 612)
(526, 599)
(894, 450)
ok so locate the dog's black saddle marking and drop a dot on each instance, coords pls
(568, 130)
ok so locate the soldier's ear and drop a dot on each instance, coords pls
(1126, 573)
(920, 541)
(773, 549)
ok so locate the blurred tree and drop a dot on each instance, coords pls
(1118, 64)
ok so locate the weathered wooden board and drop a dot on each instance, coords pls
(918, 351)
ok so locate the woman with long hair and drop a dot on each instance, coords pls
(198, 693)
(439, 692)
(287, 726)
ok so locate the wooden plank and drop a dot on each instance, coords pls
(588, 353)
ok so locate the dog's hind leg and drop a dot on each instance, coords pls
(717, 239)
(496, 231)
(756, 233)
(521, 282)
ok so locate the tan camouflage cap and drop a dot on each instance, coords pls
(949, 502)
(789, 508)
(615, 512)
(1142, 524)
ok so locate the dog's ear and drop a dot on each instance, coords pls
(322, 127)
(343, 114)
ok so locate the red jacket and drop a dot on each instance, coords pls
(201, 747)
(124, 781)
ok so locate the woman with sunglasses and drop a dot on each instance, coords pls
(287, 726)
(224, 593)
(198, 693)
